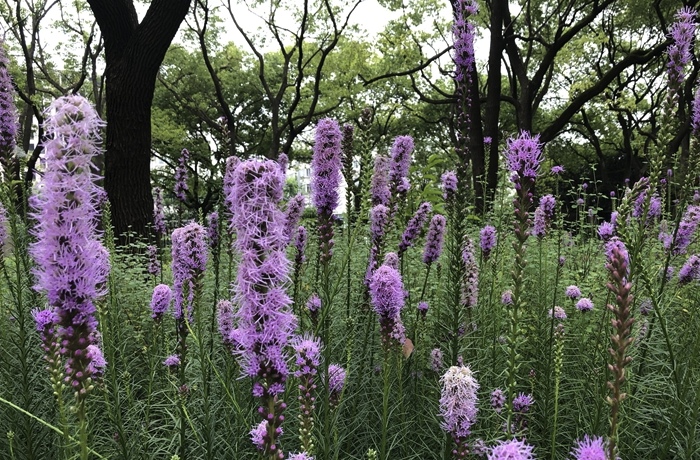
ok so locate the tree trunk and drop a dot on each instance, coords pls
(133, 52)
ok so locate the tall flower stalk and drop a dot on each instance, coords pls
(265, 323)
(72, 264)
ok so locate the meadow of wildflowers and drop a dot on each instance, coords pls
(415, 330)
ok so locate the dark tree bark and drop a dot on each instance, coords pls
(133, 52)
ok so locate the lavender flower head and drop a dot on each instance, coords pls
(300, 245)
(379, 219)
(224, 315)
(160, 302)
(181, 176)
(400, 162)
(158, 214)
(548, 205)
(97, 360)
(314, 303)
(470, 281)
(522, 403)
(584, 305)
(498, 400)
(307, 350)
(559, 313)
(232, 163)
(463, 33)
(423, 308)
(213, 230)
(590, 448)
(524, 155)
(258, 434)
(283, 161)
(606, 231)
(326, 165)
(300, 456)
(44, 318)
(153, 262)
(449, 185)
(488, 240)
(436, 360)
(71, 263)
(336, 383)
(387, 292)
(189, 255)
(540, 224)
(557, 170)
(616, 243)
(414, 227)
(434, 239)
(573, 292)
(172, 361)
(511, 450)
(379, 191)
(690, 270)
(8, 110)
(458, 400)
(679, 54)
(295, 208)
(507, 297)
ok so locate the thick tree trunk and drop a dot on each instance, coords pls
(134, 52)
(493, 98)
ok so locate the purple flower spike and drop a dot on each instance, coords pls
(524, 155)
(283, 161)
(423, 308)
(325, 166)
(590, 448)
(224, 314)
(160, 302)
(158, 214)
(336, 383)
(606, 231)
(295, 208)
(400, 161)
(584, 305)
(189, 262)
(470, 282)
(153, 262)
(573, 292)
(540, 224)
(507, 297)
(458, 401)
(557, 170)
(380, 192)
(690, 270)
(300, 456)
(414, 227)
(388, 296)
(213, 230)
(181, 176)
(679, 54)
(498, 400)
(300, 245)
(488, 240)
(511, 450)
(434, 240)
(436, 357)
(449, 185)
(71, 264)
(314, 303)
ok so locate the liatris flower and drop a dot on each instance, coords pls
(379, 217)
(283, 161)
(654, 204)
(434, 239)
(259, 433)
(392, 260)
(300, 245)
(265, 323)
(606, 231)
(646, 307)
(336, 383)
(584, 305)
(160, 302)
(573, 292)
(556, 170)
(97, 361)
(488, 240)
(8, 110)
(449, 185)
(540, 226)
(690, 270)
(590, 448)
(521, 406)
(213, 230)
(423, 308)
(458, 404)
(295, 208)
(507, 297)
(686, 231)
(524, 155)
(158, 214)
(380, 192)
(613, 244)
(189, 262)
(308, 350)
(314, 307)
(388, 295)
(72, 264)
(400, 161)
(325, 180)
(224, 314)
(300, 456)
(498, 400)
(153, 262)
(470, 282)
(414, 227)
(436, 360)
(511, 450)
(548, 205)
(679, 54)
(181, 176)
(172, 361)
(463, 32)
(559, 313)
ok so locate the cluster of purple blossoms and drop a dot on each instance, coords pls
(559, 313)
(8, 110)
(690, 270)
(606, 231)
(436, 360)
(488, 240)
(295, 208)
(524, 156)
(514, 449)
(423, 308)
(336, 383)
(224, 315)
(584, 305)
(539, 228)
(686, 231)
(400, 162)
(283, 162)
(470, 283)
(507, 297)
(434, 239)
(679, 54)
(300, 456)
(557, 170)
(72, 265)
(314, 307)
(300, 245)
(544, 215)
(616, 243)
(463, 34)
(153, 262)
(573, 292)
(458, 402)
(388, 296)
(521, 406)
(307, 350)
(189, 254)
(449, 185)
(213, 230)
(172, 362)
(265, 323)
(414, 227)
(379, 191)
(158, 214)
(379, 217)
(548, 205)
(181, 176)
(160, 302)
(590, 448)
(325, 180)
(498, 400)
